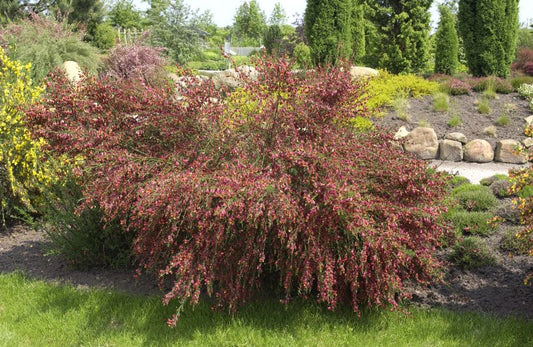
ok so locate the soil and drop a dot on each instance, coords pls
(497, 290)
(473, 123)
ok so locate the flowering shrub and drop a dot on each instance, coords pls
(385, 88)
(499, 85)
(525, 91)
(457, 87)
(136, 62)
(20, 167)
(225, 202)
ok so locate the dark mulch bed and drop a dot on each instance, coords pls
(473, 122)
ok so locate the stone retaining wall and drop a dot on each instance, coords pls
(424, 143)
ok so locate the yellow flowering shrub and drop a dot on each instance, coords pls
(21, 170)
(383, 89)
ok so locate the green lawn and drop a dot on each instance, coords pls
(34, 313)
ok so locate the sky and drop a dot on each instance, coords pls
(224, 10)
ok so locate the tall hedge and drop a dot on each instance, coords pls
(358, 31)
(328, 29)
(403, 34)
(489, 30)
(447, 43)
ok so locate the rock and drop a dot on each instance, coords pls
(456, 137)
(529, 120)
(479, 151)
(423, 142)
(510, 151)
(451, 150)
(401, 133)
(231, 78)
(362, 71)
(72, 71)
(527, 142)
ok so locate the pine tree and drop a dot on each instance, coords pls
(328, 29)
(489, 29)
(358, 31)
(447, 45)
(403, 32)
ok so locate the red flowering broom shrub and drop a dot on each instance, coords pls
(270, 184)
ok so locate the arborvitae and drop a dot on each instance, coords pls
(447, 44)
(328, 29)
(403, 32)
(489, 30)
(358, 31)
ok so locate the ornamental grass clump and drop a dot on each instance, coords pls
(230, 200)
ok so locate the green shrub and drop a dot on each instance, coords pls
(525, 91)
(441, 102)
(47, 44)
(470, 222)
(302, 56)
(105, 36)
(457, 180)
(490, 180)
(526, 192)
(83, 238)
(474, 197)
(518, 81)
(471, 253)
(513, 242)
(385, 88)
(362, 124)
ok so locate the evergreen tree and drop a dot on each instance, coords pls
(358, 31)
(250, 23)
(328, 29)
(403, 33)
(447, 44)
(124, 15)
(489, 30)
(10, 10)
(272, 39)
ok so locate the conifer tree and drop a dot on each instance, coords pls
(403, 32)
(358, 31)
(447, 44)
(489, 29)
(328, 29)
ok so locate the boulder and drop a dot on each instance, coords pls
(231, 78)
(401, 133)
(456, 137)
(362, 71)
(423, 142)
(510, 151)
(72, 71)
(529, 120)
(451, 150)
(479, 151)
(527, 142)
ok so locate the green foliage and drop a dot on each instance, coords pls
(503, 120)
(514, 243)
(47, 44)
(447, 43)
(489, 180)
(472, 253)
(402, 34)
(124, 15)
(79, 233)
(489, 30)
(457, 180)
(400, 105)
(362, 124)
(384, 88)
(105, 36)
(302, 56)
(474, 197)
(470, 222)
(328, 30)
(483, 106)
(526, 192)
(10, 10)
(441, 102)
(455, 120)
(358, 31)
(524, 38)
(278, 15)
(490, 89)
(516, 82)
(525, 91)
(250, 23)
(173, 26)
(272, 39)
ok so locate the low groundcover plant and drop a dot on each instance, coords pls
(224, 198)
